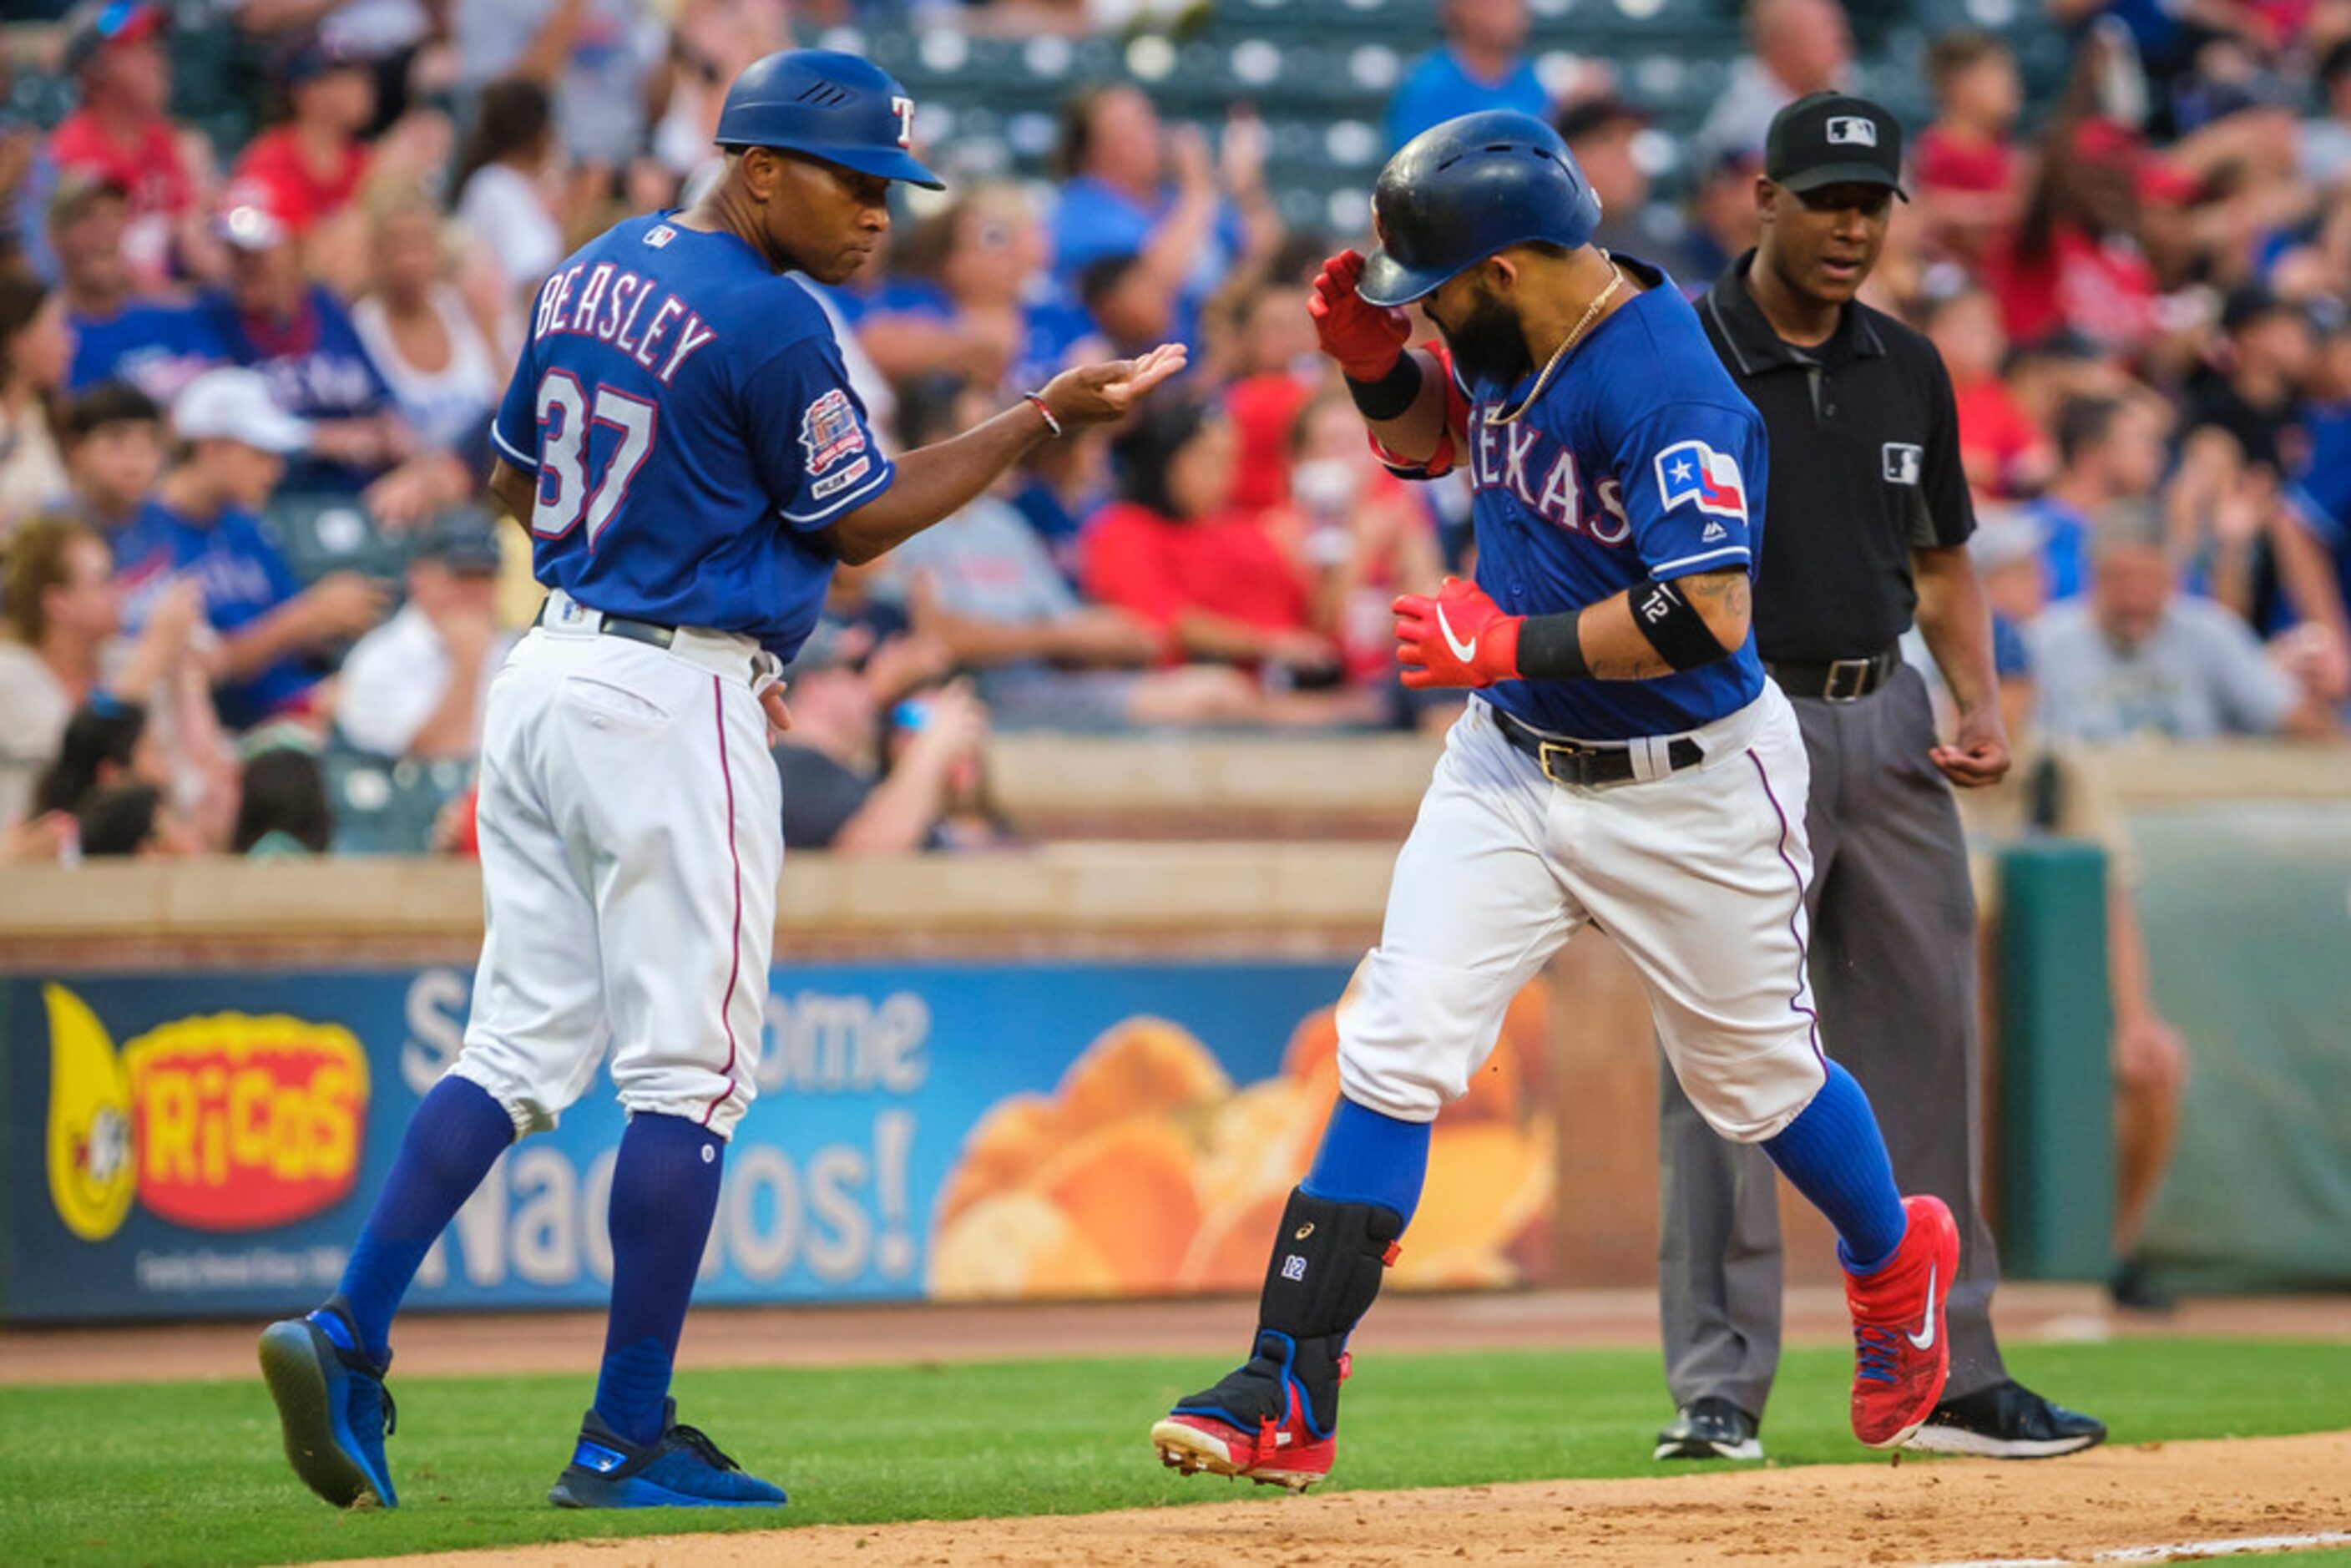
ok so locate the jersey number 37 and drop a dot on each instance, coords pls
(567, 420)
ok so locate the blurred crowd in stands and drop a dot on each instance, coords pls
(252, 598)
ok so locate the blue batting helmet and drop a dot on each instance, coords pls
(827, 105)
(1455, 194)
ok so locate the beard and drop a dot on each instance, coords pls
(1490, 345)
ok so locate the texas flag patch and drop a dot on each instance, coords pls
(1693, 471)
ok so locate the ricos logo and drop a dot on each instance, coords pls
(222, 1122)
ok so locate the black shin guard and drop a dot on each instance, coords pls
(1327, 1263)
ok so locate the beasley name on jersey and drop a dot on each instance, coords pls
(1641, 459)
(691, 423)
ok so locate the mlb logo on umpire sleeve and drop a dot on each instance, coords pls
(1903, 462)
(1852, 130)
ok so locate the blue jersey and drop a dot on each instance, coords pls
(317, 369)
(156, 347)
(243, 578)
(1641, 459)
(693, 431)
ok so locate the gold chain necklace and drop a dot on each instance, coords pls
(1558, 355)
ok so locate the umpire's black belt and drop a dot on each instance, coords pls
(1586, 763)
(647, 631)
(1838, 680)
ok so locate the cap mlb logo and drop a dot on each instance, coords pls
(1903, 461)
(1693, 471)
(1852, 130)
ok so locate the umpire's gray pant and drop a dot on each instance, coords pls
(1894, 974)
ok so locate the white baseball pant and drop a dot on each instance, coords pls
(1699, 875)
(632, 833)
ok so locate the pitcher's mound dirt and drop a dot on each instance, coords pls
(1827, 1517)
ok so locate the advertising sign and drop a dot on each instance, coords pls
(188, 1144)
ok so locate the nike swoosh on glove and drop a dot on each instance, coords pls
(1460, 638)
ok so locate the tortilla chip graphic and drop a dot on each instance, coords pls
(1138, 1067)
(1230, 1251)
(1016, 1137)
(1128, 1190)
(1486, 1179)
(1016, 1244)
(1260, 1139)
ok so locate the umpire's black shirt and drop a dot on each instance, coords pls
(1864, 466)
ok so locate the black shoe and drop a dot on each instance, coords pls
(2007, 1421)
(1710, 1428)
(2133, 1292)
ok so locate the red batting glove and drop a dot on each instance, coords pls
(1366, 340)
(1460, 638)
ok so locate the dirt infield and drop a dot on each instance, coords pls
(524, 1343)
(2181, 1495)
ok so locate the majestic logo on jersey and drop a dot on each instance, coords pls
(1853, 130)
(659, 235)
(830, 432)
(1903, 461)
(1693, 471)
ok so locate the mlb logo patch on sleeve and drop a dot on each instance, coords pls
(1694, 472)
(830, 432)
(1904, 461)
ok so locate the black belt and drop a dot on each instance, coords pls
(647, 631)
(1838, 680)
(1585, 763)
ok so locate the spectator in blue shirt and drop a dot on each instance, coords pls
(155, 345)
(203, 523)
(2108, 450)
(1479, 68)
(1136, 189)
(299, 336)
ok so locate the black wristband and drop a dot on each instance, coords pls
(1550, 648)
(1392, 395)
(1664, 615)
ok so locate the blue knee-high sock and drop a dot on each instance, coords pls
(1835, 1155)
(1368, 1156)
(664, 1191)
(457, 1134)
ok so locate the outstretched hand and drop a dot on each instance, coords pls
(1099, 393)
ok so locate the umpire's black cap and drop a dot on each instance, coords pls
(1834, 139)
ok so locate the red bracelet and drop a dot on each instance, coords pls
(1045, 413)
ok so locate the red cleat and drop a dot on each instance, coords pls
(1284, 1453)
(1901, 1352)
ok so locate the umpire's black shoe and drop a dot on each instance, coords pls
(2007, 1421)
(1710, 1428)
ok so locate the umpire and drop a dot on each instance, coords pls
(1870, 519)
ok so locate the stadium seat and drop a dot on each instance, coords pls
(324, 533)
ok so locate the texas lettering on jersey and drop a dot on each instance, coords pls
(1537, 472)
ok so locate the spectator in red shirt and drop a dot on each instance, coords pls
(309, 165)
(2075, 263)
(1276, 369)
(1174, 554)
(121, 132)
(1970, 175)
(2005, 453)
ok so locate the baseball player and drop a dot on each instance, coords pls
(1872, 519)
(682, 440)
(1624, 764)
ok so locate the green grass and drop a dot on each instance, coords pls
(192, 1473)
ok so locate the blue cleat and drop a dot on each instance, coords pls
(684, 1469)
(334, 1407)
